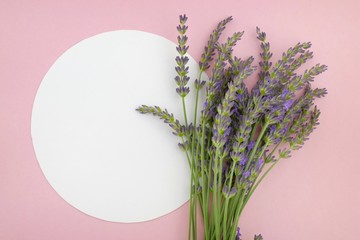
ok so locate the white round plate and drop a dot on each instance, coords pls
(96, 151)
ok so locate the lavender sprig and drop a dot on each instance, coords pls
(221, 133)
(265, 64)
(182, 69)
(178, 129)
(209, 50)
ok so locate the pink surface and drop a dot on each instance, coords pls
(313, 195)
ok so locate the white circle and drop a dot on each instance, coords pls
(96, 151)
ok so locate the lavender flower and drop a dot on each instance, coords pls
(251, 145)
(209, 50)
(238, 234)
(288, 104)
(259, 164)
(229, 193)
(169, 118)
(265, 64)
(182, 69)
(240, 131)
(243, 160)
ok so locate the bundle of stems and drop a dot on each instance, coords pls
(240, 135)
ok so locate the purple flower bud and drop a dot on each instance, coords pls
(272, 128)
(225, 169)
(288, 104)
(268, 79)
(228, 193)
(183, 19)
(239, 97)
(285, 92)
(183, 91)
(227, 132)
(284, 130)
(251, 145)
(243, 161)
(260, 164)
(238, 234)
(246, 174)
(178, 80)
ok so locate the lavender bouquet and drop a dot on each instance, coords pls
(240, 135)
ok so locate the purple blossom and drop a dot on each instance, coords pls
(247, 174)
(272, 129)
(183, 91)
(260, 164)
(268, 79)
(224, 170)
(206, 104)
(285, 92)
(183, 19)
(284, 130)
(227, 132)
(288, 104)
(238, 234)
(256, 91)
(199, 84)
(243, 160)
(251, 145)
(182, 29)
(274, 108)
(218, 85)
(209, 49)
(229, 193)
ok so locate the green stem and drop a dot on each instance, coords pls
(193, 209)
(209, 220)
(209, 170)
(227, 200)
(243, 202)
(253, 188)
(186, 152)
(257, 184)
(191, 218)
(233, 204)
(195, 115)
(242, 195)
(254, 130)
(252, 154)
(203, 179)
(225, 218)
(236, 217)
(184, 110)
(197, 98)
(215, 212)
(215, 196)
(219, 192)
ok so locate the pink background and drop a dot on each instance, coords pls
(313, 195)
